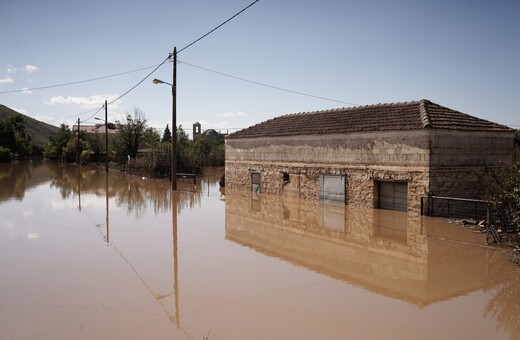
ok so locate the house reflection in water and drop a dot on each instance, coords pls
(410, 258)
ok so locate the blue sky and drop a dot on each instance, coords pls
(461, 54)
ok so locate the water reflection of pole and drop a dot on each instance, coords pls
(106, 202)
(79, 188)
(174, 196)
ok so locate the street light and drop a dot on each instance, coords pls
(159, 81)
(174, 117)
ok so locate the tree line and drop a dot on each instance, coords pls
(150, 153)
(14, 140)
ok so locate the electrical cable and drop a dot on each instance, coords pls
(77, 82)
(185, 47)
(267, 85)
(139, 83)
(142, 80)
(84, 120)
(216, 28)
(121, 96)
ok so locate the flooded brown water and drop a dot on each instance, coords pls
(86, 256)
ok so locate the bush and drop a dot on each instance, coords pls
(5, 154)
(504, 196)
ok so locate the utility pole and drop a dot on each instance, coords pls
(77, 144)
(174, 121)
(106, 137)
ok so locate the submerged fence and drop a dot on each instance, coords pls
(451, 207)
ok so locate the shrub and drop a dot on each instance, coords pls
(5, 154)
(504, 196)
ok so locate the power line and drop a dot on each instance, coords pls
(267, 85)
(124, 94)
(139, 83)
(127, 72)
(118, 74)
(95, 113)
(216, 28)
(78, 82)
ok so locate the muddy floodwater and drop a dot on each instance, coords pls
(84, 255)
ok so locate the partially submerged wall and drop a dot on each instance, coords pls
(461, 161)
(362, 158)
(444, 162)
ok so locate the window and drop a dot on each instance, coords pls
(255, 181)
(332, 188)
(392, 195)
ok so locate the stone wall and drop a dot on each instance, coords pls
(410, 148)
(362, 158)
(462, 161)
(304, 183)
(446, 163)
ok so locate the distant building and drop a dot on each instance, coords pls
(98, 128)
(382, 156)
(210, 133)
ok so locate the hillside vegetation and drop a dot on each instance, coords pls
(39, 131)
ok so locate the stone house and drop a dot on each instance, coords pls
(382, 156)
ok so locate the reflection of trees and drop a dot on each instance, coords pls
(131, 191)
(505, 304)
(17, 177)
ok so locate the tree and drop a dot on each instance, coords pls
(167, 135)
(151, 138)
(70, 151)
(96, 144)
(504, 196)
(130, 134)
(58, 142)
(14, 137)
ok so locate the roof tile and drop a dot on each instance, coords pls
(415, 115)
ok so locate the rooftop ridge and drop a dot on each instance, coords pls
(352, 108)
(425, 118)
(400, 116)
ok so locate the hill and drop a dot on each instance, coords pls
(39, 131)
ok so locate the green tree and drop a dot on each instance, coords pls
(14, 137)
(504, 196)
(151, 138)
(58, 142)
(167, 135)
(96, 144)
(5, 154)
(70, 151)
(130, 134)
(189, 156)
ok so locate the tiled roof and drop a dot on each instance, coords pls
(415, 115)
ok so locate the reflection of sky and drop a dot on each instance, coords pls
(8, 226)
(33, 236)
(87, 201)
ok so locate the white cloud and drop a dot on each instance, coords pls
(30, 68)
(26, 90)
(11, 69)
(91, 102)
(6, 80)
(231, 114)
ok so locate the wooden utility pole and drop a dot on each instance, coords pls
(174, 121)
(77, 144)
(106, 137)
